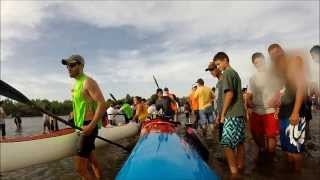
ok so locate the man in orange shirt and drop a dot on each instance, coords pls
(194, 106)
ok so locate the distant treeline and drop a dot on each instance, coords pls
(15, 108)
(58, 108)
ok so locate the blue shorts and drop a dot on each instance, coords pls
(233, 132)
(206, 116)
(285, 138)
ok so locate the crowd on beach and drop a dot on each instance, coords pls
(278, 101)
(276, 105)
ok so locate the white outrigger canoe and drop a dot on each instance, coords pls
(20, 152)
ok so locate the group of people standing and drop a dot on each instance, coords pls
(117, 114)
(165, 104)
(89, 107)
(274, 104)
(284, 79)
(3, 115)
(50, 124)
(137, 112)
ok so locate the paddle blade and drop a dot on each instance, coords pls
(111, 95)
(155, 80)
(12, 93)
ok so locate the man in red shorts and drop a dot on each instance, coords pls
(263, 97)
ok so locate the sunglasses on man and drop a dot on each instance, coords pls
(72, 65)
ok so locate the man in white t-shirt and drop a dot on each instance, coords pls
(2, 120)
(111, 111)
(264, 97)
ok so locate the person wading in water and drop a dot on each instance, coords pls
(263, 97)
(232, 115)
(2, 121)
(88, 109)
(290, 69)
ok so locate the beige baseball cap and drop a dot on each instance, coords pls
(75, 58)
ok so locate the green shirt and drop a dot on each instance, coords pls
(127, 110)
(232, 82)
(80, 104)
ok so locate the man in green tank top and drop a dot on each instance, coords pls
(88, 108)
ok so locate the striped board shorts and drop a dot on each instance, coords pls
(233, 132)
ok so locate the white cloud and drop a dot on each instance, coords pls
(194, 20)
(19, 21)
(239, 28)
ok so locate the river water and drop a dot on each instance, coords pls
(112, 158)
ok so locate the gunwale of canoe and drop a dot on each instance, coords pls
(25, 151)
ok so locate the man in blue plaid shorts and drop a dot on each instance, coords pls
(232, 115)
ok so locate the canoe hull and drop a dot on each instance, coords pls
(164, 155)
(16, 155)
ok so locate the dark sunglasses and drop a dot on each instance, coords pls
(72, 65)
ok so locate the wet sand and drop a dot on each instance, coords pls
(279, 169)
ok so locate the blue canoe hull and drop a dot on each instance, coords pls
(160, 155)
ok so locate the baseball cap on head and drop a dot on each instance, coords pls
(165, 89)
(211, 66)
(75, 58)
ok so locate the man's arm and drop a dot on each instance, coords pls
(249, 100)
(196, 94)
(228, 96)
(299, 81)
(96, 95)
(172, 99)
(212, 96)
(138, 111)
(249, 97)
(228, 90)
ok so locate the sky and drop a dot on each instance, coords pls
(124, 43)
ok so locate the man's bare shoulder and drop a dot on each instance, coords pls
(296, 63)
(89, 82)
(296, 57)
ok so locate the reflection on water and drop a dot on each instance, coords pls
(112, 158)
(30, 125)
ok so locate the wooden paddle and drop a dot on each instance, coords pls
(12, 93)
